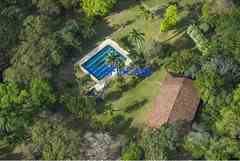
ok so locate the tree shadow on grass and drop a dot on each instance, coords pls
(160, 11)
(102, 30)
(125, 42)
(125, 4)
(185, 22)
(136, 105)
(123, 125)
(114, 95)
(174, 36)
(127, 23)
(13, 156)
(120, 124)
(7, 153)
(185, 42)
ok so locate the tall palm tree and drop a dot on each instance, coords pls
(120, 65)
(114, 59)
(137, 37)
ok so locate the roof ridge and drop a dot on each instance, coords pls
(178, 94)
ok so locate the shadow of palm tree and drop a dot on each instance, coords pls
(136, 105)
(160, 11)
(124, 4)
(7, 153)
(175, 35)
(113, 96)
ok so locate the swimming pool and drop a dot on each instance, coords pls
(98, 66)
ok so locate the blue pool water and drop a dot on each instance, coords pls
(98, 66)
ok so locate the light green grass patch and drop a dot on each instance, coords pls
(144, 94)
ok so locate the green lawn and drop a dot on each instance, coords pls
(137, 102)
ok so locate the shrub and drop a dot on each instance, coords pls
(184, 63)
(170, 19)
(81, 106)
(118, 84)
(131, 81)
(132, 152)
(56, 141)
(199, 38)
(162, 143)
(205, 11)
(197, 143)
(97, 7)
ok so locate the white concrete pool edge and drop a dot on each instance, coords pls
(95, 51)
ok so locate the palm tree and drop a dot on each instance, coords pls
(137, 37)
(114, 60)
(120, 65)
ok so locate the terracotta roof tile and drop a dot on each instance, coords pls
(178, 100)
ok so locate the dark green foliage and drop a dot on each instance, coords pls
(84, 83)
(223, 149)
(156, 53)
(227, 40)
(82, 107)
(197, 143)
(215, 81)
(118, 124)
(97, 7)
(11, 17)
(218, 81)
(203, 146)
(55, 141)
(12, 14)
(37, 38)
(162, 143)
(43, 33)
(132, 152)
(138, 58)
(184, 63)
(69, 36)
(228, 124)
(19, 104)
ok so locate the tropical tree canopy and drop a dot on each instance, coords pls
(56, 142)
(160, 144)
(97, 7)
(17, 105)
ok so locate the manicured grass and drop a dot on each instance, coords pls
(137, 102)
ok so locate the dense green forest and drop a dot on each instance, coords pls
(46, 114)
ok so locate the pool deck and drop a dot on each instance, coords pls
(96, 50)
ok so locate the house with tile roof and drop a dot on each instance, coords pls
(178, 101)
